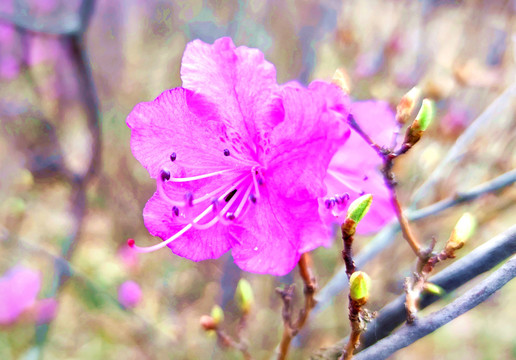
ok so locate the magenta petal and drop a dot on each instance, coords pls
(195, 244)
(355, 168)
(304, 142)
(376, 118)
(275, 232)
(19, 288)
(167, 125)
(129, 294)
(239, 80)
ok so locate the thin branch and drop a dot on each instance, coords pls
(67, 24)
(458, 149)
(291, 329)
(408, 334)
(478, 261)
(385, 237)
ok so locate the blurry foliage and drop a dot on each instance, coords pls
(460, 52)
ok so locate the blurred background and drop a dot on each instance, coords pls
(71, 192)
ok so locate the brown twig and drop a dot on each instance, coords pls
(388, 157)
(347, 254)
(227, 341)
(290, 328)
(354, 307)
(355, 321)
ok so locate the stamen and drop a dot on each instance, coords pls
(218, 190)
(226, 152)
(340, 178)
(256, 183)
(219, 216)
(243, 201)
(175, 210)
(161, 245)
(199, 177)
(173, 157)
(230, 195)
(189, 198)
(252, 198)
(164, 175)
(164, 195)
(230, 216)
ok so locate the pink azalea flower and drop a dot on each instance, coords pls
(355, 169)
(46, 310)
(239, 161)
(129, 294)
(18, 288)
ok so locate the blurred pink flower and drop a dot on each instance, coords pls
(46, 310)
(129, 294)
(239, 161)
(18, 288)
(355, 169)
(128, 257)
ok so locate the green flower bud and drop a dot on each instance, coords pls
(425, 115)
(217, 314)
(433, 289)
(463, 230)
(359, 284)
(244, 295)
(359, 208)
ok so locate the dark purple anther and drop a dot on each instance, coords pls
(226, 152)
(189, 198)
(165, 175)
(173, 156)
(327, 203)
(175, 210)
(365, 177)
(362, 193)
(252, 197)
(230, 216)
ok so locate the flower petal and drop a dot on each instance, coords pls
(194, 244)
(355, 168)
(303, 144)
(275, 232)
(168, 125)
(239, 80)
(19, 288)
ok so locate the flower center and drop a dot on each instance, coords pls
(224, 204)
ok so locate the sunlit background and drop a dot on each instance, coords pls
(71, 192)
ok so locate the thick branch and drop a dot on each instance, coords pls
(480, 260)
(457, 150)
(408, 334)
(383, 239)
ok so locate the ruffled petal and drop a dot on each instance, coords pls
(194, 244)
(275, 232)
(376, 118)
(239, 80)
(20, 287)
(168, 125)
(355, 168)
(302, 145)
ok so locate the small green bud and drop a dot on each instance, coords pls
(359, 208)
(217, 314)
(425, 115)
(433, 289)
(463, 230)
(244, 295)
(359, 284)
